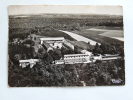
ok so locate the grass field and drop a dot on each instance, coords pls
(50, 32)
(114, 32)
(82, 45)
(102, 35)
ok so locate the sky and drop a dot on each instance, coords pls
(64, 9)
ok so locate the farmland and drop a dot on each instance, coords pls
(102, 35)
(112, 33)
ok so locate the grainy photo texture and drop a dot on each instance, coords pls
(65, 45)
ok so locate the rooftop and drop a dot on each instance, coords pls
(52, 38)
(70, 55)
(29, 60)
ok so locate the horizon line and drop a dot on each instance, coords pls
(64, 14)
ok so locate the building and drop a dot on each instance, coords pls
(110, 57)
(106, 57)
(86, 52)
(55, 42)
(77, 58)
(47, 46)
(59, 61)
(68, 44)
(35, 37)
(29, 62)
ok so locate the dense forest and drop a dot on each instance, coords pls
(70, 22)
(99, 73)
(45, 73)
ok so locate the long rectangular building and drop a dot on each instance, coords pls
(77, 58)
(25, 63)
(52, 39)
(55, 42)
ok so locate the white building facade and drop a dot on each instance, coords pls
(77, 58)
(55, 42)
(25, 63)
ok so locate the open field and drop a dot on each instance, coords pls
(118, 38)
(116, 34)
(82, 45)
(102, 35)
(109, 27)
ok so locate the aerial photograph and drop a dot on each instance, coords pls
(65, 46)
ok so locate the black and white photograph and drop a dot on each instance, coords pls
(65, 46)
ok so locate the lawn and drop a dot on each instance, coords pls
(96, 36)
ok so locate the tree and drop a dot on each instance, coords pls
(76, 50)
(47, 58)
(30, 42)
(97, 49)
(56, 54)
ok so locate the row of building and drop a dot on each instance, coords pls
(57, 42)
(71, 59)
